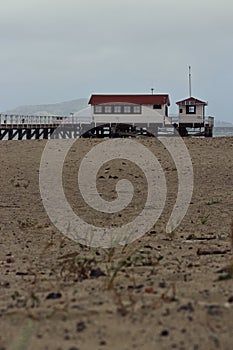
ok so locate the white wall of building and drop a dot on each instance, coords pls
(148, 115)
(197, 117)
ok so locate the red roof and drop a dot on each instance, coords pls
(136, 99)
(192, 99)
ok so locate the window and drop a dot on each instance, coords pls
(181, 110)
(108, 109)
(157, 106)
(127, 109)
(97, 109)
(117, 109)
(190, 109)
(137, 109)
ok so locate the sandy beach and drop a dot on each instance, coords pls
(163, 291)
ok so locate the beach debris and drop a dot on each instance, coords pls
(213, 251)
(164, 333)
(80, 326)
(10, 258)
(96, 273)
(186, 307)
(193, 237)
(21, 273)
(52, 295)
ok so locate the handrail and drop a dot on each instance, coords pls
(15, 119)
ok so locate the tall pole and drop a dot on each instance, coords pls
(190, 82)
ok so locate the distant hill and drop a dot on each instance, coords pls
(61, 108)
(222, 124)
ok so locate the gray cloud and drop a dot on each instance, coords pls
(54, 50)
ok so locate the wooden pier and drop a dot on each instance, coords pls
(15, 127)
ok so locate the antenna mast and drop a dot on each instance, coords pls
(190, 82)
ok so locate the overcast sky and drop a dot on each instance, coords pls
(57, 50)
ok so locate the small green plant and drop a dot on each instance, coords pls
(204, 218)
(121, 307)
(171, 235)
(110, 255)
(225, 275)
(34, 299)
(113, 271)
(15, 295)
(131, 260)
(212, 201)
(162, 283)
(26, 184)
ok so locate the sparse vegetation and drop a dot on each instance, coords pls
(157, 286)
(212, 201)
(27, 223)
(80, 266)
(204, 218)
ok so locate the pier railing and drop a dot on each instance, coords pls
(22, 120)
(28, 127)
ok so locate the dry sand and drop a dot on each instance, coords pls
(169, 292)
